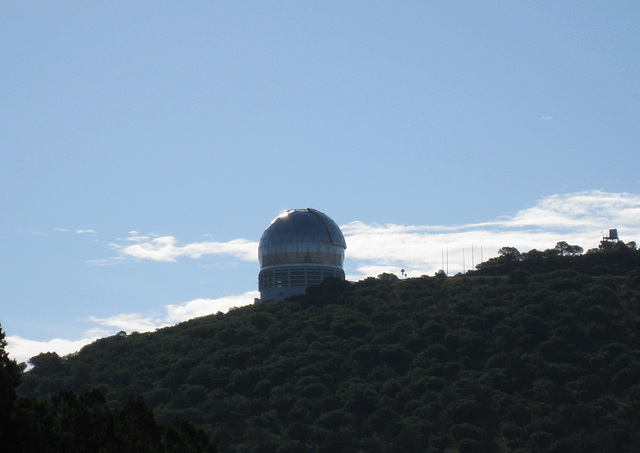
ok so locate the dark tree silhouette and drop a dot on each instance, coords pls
(9, 381)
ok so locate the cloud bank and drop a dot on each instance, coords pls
(173, 314)
(166, 248)
(22, 349)
(578, 218)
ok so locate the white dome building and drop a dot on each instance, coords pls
(301, 247)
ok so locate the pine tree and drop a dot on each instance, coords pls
(9, 380)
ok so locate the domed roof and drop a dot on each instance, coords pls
(302, 236)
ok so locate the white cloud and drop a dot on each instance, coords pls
(202, 307)
(137, 322)
(78, 231)
(136, 238)
(581, 211)
(111, 261)
(578, 218)
(165, 248)
(129, 322)
(86, 231)
(22, 349)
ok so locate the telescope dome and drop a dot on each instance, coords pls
(300, 247)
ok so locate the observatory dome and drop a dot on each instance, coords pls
(300, 247)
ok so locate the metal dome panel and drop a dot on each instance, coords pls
(302, 236)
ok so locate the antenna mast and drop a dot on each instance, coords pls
(472, 258)
(463, 266)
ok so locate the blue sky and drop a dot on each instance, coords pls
(145, 147)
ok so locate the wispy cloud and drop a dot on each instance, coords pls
(166, 248)
(578, 218)
(172, 314)
(67, 230)
(89, 231)
(22, 349)
(546, 117)
(110, 261)
(202, 307)
(129, 322)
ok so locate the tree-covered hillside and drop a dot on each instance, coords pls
(66, 423)
(523, 359)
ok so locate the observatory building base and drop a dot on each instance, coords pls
(279, 282)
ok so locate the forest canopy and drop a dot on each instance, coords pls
(534, 351)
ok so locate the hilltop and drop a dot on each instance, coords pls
(532, 352)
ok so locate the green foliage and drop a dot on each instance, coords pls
(540, 353)
(609, 258)
(67, 423)
(70, 424)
